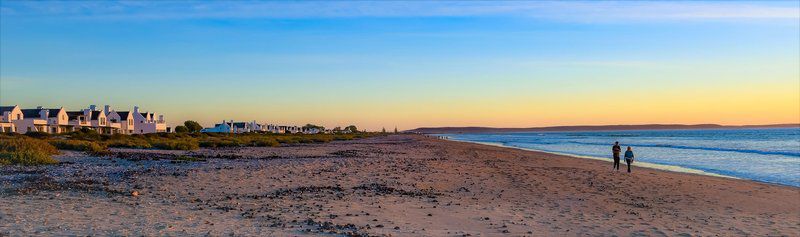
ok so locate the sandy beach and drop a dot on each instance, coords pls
(396, 185)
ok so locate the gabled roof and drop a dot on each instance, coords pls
(52, 113)
(31, 113)
(94, 114)
(123, 115)
(3, 109)
(74, 114)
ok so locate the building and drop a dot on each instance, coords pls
(42, 120)
(8, 114)
(105, 121)
(57, 120)
(146, 122)
(244, 127)
(124, 118)
(224, 127)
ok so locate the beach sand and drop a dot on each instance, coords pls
(398, 185)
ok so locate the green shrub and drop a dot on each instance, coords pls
(77, 145)
(220, 142)
(175, 144)
(21, 143)
(129, 143)
(30, 157)
(264, 142)
(181, 129)
(20, 150)
(37, 134)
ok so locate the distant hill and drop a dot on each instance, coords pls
(430, 130)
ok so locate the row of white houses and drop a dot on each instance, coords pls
(243, 127)
(105, 120)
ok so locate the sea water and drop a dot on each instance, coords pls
(767, 155)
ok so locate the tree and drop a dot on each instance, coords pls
(395, 129)
(191, 125)
(181, 129)
(383, 130)
(351, 128)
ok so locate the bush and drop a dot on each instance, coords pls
(175, 144)
(129, 143)
(220, 142)
(30, 157)
(37, 134)
(264, 142)
(20, 150)
(77, 145)
(21, 143)
(192, 126)
(86, 134)
(181, 129)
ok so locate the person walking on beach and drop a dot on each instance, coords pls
(629, 158)
(616, 150)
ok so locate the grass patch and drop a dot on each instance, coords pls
(78, 145)
(21, 150)
(91, 141)
(175, 144)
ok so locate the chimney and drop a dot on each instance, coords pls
(108, 109)
(43, 113)
(92, 107)
(136, 109)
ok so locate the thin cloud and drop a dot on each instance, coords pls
(559, 11)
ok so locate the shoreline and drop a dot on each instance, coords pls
(661, 167)
(671, 168)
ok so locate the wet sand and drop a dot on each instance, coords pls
(398, 185)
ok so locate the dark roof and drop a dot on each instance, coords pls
(123, 115)
(3, 109)
(144, 114)
(74, 114)
(94, 114)
(31, 113)
(239, 125)
(52, 113)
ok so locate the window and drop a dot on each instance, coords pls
(19, 116)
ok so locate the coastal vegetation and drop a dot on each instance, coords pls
(23, 150)
(37, 148)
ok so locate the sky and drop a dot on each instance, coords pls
(409, 64)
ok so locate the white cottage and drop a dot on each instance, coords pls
(8, 114)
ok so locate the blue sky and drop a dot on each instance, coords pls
(409, 64)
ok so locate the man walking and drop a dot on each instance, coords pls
(616, 150)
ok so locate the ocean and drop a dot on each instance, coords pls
(769, 155)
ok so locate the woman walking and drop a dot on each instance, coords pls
(629, 158)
